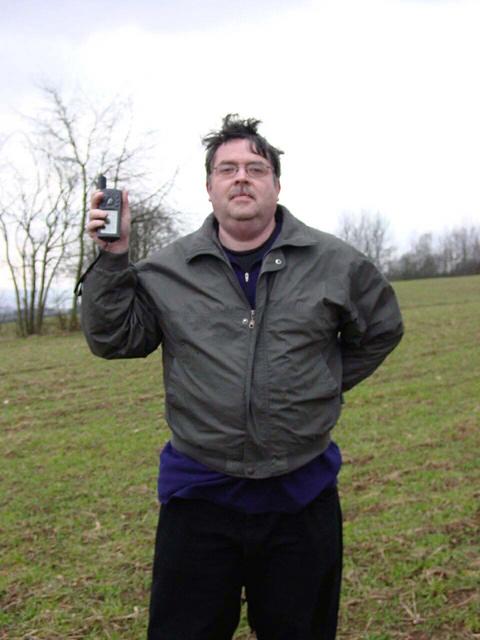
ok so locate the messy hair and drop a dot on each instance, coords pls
(234, 128)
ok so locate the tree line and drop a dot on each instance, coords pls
(45, 193)
(451, 253)
(45, 196)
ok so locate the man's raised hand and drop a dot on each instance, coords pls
(97, 219)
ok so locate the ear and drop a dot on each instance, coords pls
(208, 187)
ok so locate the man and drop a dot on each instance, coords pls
(264, 323)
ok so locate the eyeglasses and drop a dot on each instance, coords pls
(252, 169)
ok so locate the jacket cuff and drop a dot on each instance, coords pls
(113, 261)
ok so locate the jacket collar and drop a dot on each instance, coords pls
(205, 240)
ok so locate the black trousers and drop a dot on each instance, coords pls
(289, 564)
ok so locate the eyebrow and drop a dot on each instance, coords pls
(244, 163)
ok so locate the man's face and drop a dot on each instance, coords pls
(243, 203)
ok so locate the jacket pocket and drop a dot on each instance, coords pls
(303, 392)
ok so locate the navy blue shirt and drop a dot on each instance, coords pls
(183, 477)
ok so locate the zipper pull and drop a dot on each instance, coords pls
(247, 276)
(251, 324)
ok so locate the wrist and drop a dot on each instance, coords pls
(115, 247)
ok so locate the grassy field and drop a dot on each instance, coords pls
(80, 439)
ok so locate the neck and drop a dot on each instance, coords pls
(240, 242)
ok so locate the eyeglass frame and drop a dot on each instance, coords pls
(266, 167)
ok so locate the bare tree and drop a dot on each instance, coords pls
(153, 225)
(454, 253)
(34, 226)
(369, 233)
(465, 250)
(85, 139)
(43, 219)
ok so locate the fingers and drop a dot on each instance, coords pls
(96, 221)
(96, 216)
(96, 198)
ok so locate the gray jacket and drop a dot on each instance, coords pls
(249, 393)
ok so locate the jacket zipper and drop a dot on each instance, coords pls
(251, 324)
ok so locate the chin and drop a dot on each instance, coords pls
(244, 218)
(241, 213)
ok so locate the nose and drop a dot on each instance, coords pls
(241, 175)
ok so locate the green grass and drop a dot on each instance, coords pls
(79, 450)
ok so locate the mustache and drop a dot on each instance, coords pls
(241, 190)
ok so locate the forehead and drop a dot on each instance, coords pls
(239, 150)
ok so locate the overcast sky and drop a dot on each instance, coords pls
(376, 103)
